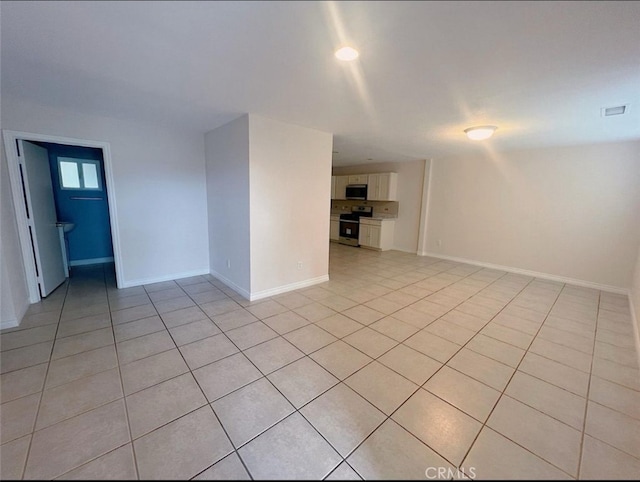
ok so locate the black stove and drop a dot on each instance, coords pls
(350, 224)
(358, 212)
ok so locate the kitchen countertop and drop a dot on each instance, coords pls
(377, 217)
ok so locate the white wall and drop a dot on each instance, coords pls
(14, 296)
(290, 204)
(160, 188)
(569, 212)
(227, 155)
(410, 178)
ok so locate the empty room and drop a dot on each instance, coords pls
(340, 240)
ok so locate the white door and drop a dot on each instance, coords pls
(42, 217)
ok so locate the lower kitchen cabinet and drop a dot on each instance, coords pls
(376, 233)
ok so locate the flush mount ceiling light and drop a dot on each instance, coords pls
(480, 133)
(347, 54)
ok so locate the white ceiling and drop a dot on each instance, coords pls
(541, 71)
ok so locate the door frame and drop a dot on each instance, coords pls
(13, 161)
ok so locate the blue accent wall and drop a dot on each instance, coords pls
(91, 238)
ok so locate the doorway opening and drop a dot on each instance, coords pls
(65, 207)
(82, 203)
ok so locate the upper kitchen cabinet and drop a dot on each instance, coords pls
(383, 187)
(359, 179)
(380, 186)
(340, 190)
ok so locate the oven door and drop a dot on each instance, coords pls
(349, 230)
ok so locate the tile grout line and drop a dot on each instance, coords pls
(533, 339)
(586, 404)
(296, 410)
(360, 329)
(44, 383)
(208, 403)
(103, 404)
(124, 397)
(504, 394)
(389, 417)
(102, 371)
(43, 390)
(432, 375)
(419, 386)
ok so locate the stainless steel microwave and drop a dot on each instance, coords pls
(356, 191)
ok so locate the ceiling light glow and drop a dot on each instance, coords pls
(480, 133)
(347, 54)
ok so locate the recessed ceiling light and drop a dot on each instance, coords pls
(347, 54)
(480, 133)
(617, 110)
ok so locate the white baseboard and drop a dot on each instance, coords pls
(271, 291)
(535, 274)
(159, 279)
(411, 251)
(290, 287)
(13, 322)
(83, 262)
(636, 327)
(231, 284)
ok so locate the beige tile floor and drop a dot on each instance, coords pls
(399, 367)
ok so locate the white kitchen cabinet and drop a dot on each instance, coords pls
(358, 178)
(334, 229)
(341, 187)
(383, 187)
(369, 235)
(376, 233)
(380, 186)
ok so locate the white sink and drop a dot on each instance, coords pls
(66, 227)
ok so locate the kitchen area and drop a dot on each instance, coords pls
(364, 208)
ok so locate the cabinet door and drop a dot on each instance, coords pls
(363, 235)
(373, 189)
(334, 230)
(333, 187)
(341, 187)
(374, 236)
(383, 187)
(358, 179)
(388, 190)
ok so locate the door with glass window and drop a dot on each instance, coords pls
(81, 198)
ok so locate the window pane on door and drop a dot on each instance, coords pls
(69, 175)
(90, 175)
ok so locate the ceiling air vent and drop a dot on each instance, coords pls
(617, 110)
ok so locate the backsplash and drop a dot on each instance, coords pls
(386, 208)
